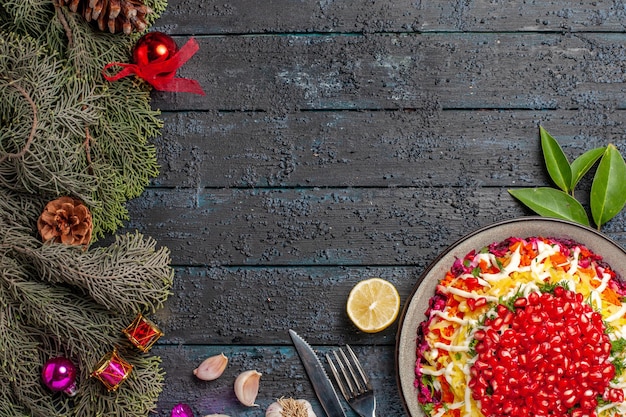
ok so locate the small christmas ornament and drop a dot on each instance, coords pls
(154, 47)
(156, 58)
(59, 374)
(65, 220)
(112, 370)
(112, 15)
(182, 410)
(142, 333)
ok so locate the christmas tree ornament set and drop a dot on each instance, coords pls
(156, 57)
(76, 338)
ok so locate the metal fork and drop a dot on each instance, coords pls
(355, 386)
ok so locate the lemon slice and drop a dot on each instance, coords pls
(373, 305)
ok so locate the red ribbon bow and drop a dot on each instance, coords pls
(160, 74)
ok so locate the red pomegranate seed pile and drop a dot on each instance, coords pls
(548, 356)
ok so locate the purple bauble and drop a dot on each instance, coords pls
(59, 374)
(182, 410)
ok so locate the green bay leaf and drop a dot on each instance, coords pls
(550, 202)
(608, 190)
(556, 161)
(583, 164)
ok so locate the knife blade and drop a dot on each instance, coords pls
(317, 375)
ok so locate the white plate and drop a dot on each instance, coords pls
(415, 307)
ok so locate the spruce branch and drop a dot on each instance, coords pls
(129, 276)
(135, 398)
(75, 105)
(88, 140)
(82, 327)
(20, 349)
(17, 212)
(33, 130)
(60, 13)
(64, 130)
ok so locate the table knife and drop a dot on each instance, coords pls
(321, 384)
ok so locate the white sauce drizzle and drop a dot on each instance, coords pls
(466, 294)
(457, 320)
(605, 281)
(574, 265)
(451, 348)
(506, 271)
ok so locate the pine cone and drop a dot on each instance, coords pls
(65, 220)
(114, 15)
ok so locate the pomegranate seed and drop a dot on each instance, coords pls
(550, 351)
(481, 302)
(533, 298)
(497, 323)
(520, 302)
(479, 335)
(615, 395)
(471, 282)
(559, 291)
(508, 317)
(501, 310)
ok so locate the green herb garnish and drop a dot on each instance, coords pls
(608, 189)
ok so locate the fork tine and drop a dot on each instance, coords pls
(354, 385)
(358, 389)
(342, 362)
(357, 363)
(337, 377)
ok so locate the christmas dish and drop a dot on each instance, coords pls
(524, 318)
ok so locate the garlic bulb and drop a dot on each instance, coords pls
(212, 368)
(247, 387)
(216, 415)
(290, 408)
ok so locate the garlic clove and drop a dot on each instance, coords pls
(289, 407)
(309, 408)
(247, 387)
(274, 410)
(211, 368)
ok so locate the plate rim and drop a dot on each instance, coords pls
(496, 227)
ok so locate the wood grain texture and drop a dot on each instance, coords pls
(283, 376)
(344, 226)
(373, 149)
(255, 306)
(340, 140)
(288, 16)
(282, 74)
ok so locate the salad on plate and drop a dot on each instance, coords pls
(524, 327)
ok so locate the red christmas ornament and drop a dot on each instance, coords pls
(59, 374)
(154, 47)
(142, 333)
(156, 58)
(112, 370)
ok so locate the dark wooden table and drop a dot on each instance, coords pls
(342, 140)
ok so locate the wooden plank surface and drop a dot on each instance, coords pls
(340, 140)
(283, 376)
(343, 226)
(281, 74)
(288, 16)
(255, 306)
(372, 149)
